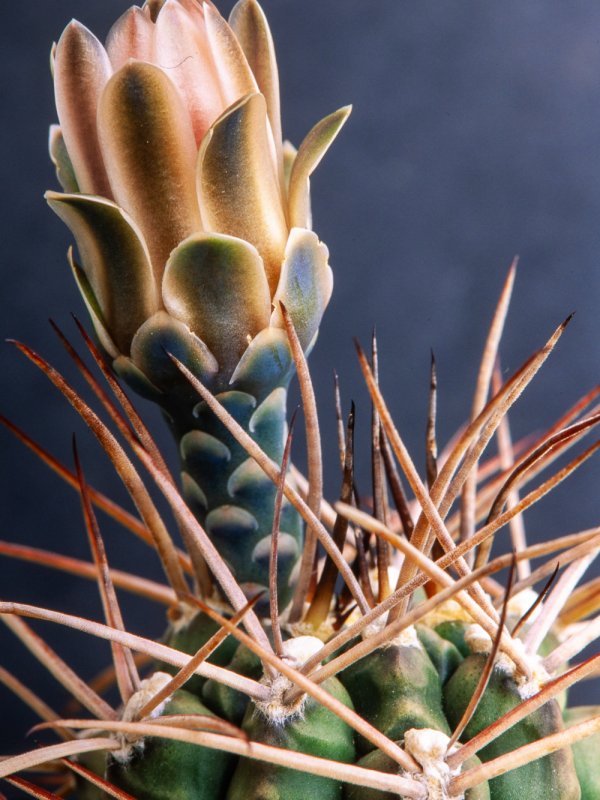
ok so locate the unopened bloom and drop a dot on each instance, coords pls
(170, 153)
(190, 215)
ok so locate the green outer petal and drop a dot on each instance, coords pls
(266, 362)
(150, 152)
(316, 143)
(250, 25)
(289, 156)
(115, 259)
(61, 159)
(216, 285)
(94, 310)
(161, 336)
(238, 186)
(305, 285)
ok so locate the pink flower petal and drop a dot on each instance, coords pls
(183, 52)
(81, 70)
(234, 72)
(132, 36)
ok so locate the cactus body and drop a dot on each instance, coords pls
(160, 769)
(396, 688)
(552, 777)
(315, 731)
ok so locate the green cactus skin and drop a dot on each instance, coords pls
(395, 688)
(383, 763)
(444, 655)
(189, 639)
(96, 763)
(228, 703)
(454, 631)
(316, 731)
(552, 777)
(170, 770)
(586, 752)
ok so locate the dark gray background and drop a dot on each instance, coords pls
(475, 136)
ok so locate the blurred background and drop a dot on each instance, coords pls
(474, 137)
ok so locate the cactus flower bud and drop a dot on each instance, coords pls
(192, 223)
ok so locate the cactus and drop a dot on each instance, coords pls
(374, 654)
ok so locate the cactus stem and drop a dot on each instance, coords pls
(363, 648)
(315, 466)
(482, 389)
(433, 572)
(273, 472)
(128, 679)
(524, 755)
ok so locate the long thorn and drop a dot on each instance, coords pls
(536, 603)
(482, 388)
(523, 710)
(128, 679)
(273, 582)
(185, 673)
(486, 673)
(124, 468)
(315, 466)
(321, 602)
(431, 449)
(380, 510)
(158, 651)
(524, 755)
(316, 692)
(506, 452)
(58, 668)
(349, 773)
(143, 587)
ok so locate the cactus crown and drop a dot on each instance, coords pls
(361, 650)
